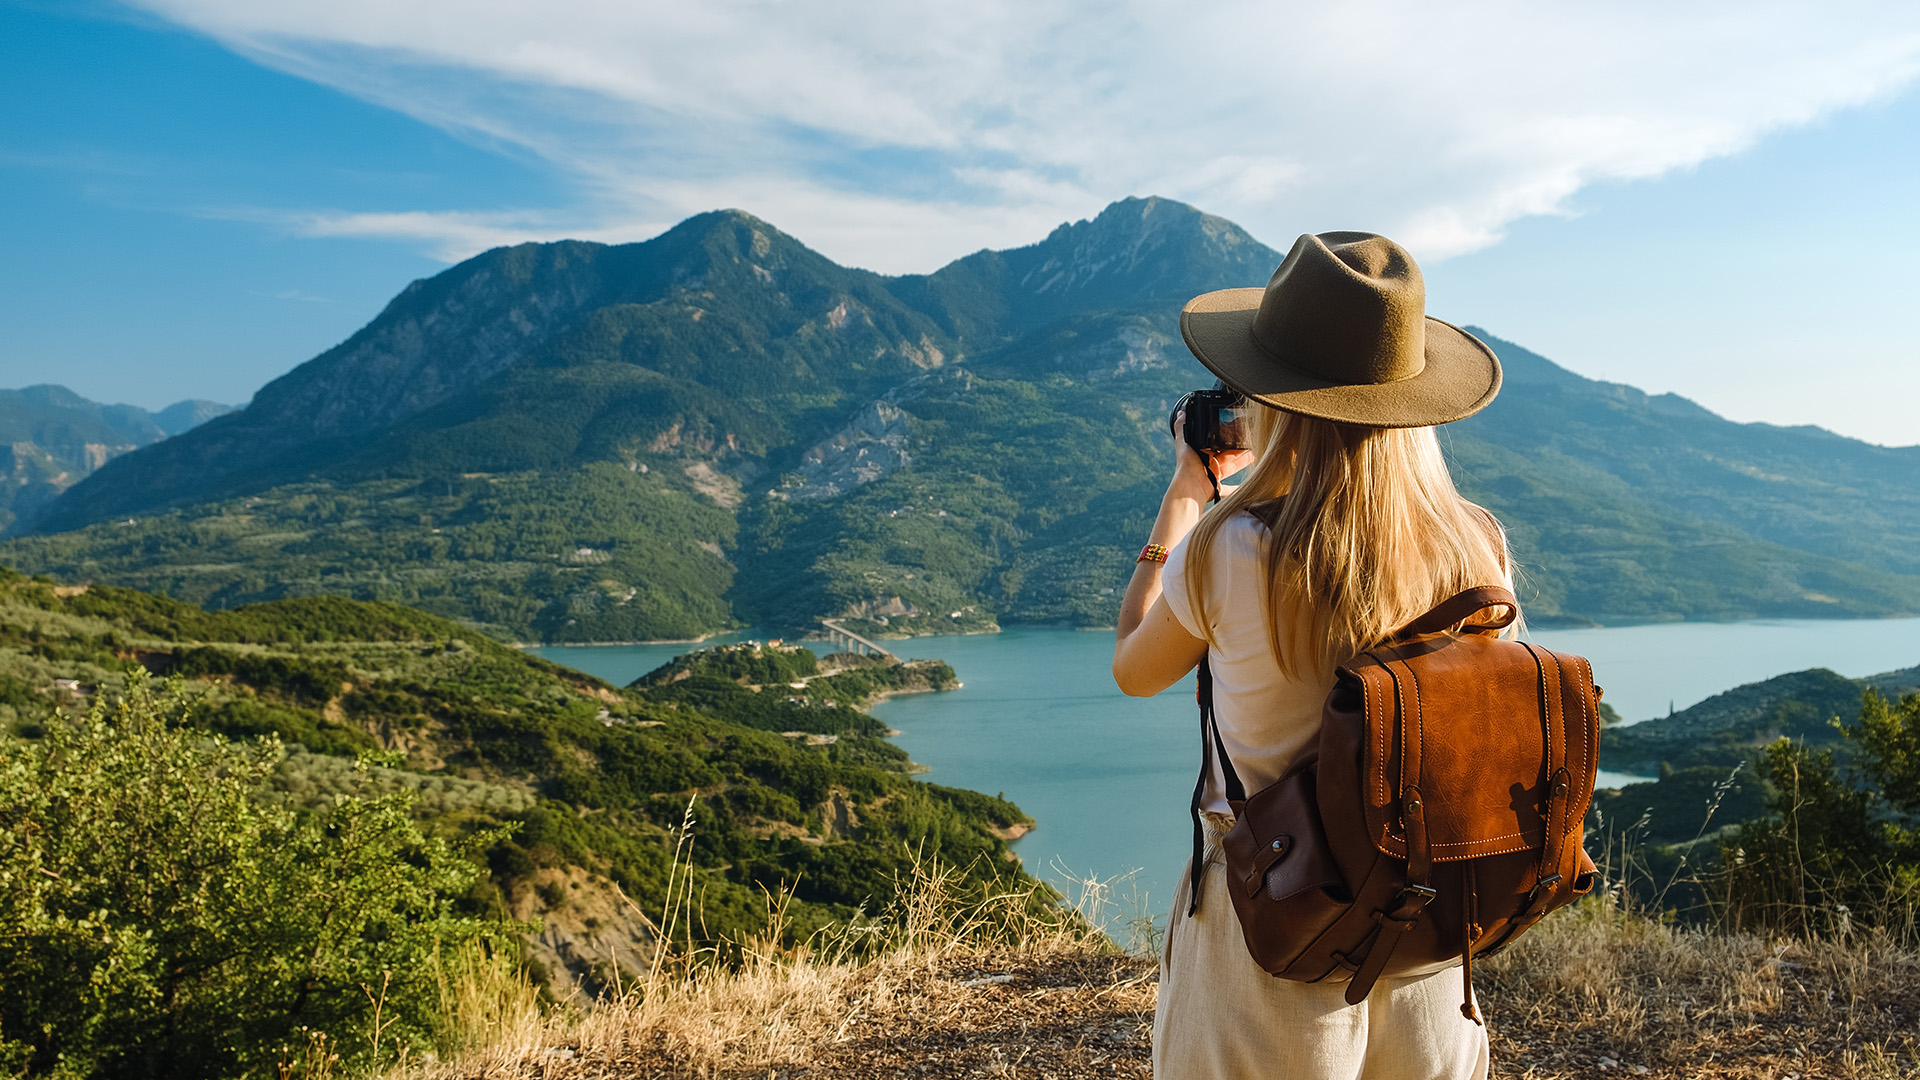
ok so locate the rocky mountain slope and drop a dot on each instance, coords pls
(577, 442)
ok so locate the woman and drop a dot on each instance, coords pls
(1345, 527)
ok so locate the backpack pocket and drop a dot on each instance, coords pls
(1286, 888)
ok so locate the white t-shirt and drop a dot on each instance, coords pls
(1266, 719)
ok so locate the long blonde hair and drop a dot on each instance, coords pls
(1366, 532)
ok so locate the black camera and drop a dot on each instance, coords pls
(1215, 419)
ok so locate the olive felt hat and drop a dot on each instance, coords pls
(1341, 333)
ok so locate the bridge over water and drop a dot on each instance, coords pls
(853, 642)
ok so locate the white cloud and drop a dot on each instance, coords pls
(447, 234)
(896, 135)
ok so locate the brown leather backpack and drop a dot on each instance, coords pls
(1441, 815)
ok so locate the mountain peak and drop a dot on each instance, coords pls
(1136, 251)
(1139, 218)
(1151, 244)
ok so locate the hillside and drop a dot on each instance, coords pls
(51, 438)
(1694, 515)
(1710, 757)
(717, 427)
(786, 788)
(1729, 727)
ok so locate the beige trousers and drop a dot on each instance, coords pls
(1221, 1017)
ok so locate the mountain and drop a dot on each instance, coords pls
(1691, 515)
(54, 438)
(582, 442)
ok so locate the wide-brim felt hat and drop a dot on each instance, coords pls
(1341, 333)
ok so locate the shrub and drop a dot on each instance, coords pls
(160, 916)
(1839, 851)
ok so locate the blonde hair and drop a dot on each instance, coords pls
(1366, 532)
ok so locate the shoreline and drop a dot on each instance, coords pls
(616, 644)
(881, 695)
(1545, 622)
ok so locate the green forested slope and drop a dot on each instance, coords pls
(598, 553)
(1689, 514)
(574, 442)
(789, 788)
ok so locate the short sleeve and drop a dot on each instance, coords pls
(1173, 586)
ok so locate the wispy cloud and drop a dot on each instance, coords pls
(896, 135)
(445, 234)
(295, 296)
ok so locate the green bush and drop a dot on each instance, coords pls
(1840, 851)
(161, 915)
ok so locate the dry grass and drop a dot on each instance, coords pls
(969, 985)
(1016, 1012)
(1596, 987)
(955, 988)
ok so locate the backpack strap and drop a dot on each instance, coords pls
(1559, 796)
(1418, 891)
(1210, 745)
(1465, 605)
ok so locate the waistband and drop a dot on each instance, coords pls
(1214, 827)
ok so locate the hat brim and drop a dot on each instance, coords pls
(1461, 375)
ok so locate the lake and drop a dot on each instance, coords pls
(1108, 777)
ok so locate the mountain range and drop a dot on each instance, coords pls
(586, 442)
(51, 438)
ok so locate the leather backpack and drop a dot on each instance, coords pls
(1440, 816)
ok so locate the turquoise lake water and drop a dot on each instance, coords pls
(1108, 777)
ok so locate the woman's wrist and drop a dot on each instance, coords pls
(1179, 513)
(1189, 483)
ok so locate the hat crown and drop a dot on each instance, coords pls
(1347, 307)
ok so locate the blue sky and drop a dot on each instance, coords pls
(197, 195)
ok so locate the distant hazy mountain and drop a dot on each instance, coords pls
(51, 438)
(576, 441)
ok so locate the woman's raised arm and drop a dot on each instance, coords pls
(1151, 650)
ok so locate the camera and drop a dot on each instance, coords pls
(1214, 419)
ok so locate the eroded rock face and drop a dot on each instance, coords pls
(874, 444)
(592, 938)
(52, 438)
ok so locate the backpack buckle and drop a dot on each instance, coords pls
(1540, 889)
(1413, 899)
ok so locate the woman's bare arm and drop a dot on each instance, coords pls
(1152, 651)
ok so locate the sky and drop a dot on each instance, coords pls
(1712, 199)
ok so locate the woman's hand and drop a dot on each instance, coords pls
(1190, 469)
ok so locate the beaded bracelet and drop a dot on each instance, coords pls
(1152, 553)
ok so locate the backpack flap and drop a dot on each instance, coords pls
(1489, 731)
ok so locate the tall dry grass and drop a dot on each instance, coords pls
(1613, 982)
(1623, 977)
(754, 1003)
